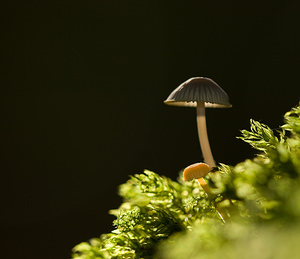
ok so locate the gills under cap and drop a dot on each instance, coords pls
(199, 89)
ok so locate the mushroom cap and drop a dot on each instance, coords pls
(196, 171)
(199, 89)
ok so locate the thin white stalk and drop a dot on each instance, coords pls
(206, 151)
(203, 138)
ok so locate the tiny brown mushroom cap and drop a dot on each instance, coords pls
(199, 90)
(196, 171)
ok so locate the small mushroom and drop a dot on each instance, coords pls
(198, 171)
(200, 92)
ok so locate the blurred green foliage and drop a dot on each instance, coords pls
(161, 218)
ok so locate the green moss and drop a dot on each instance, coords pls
(161, 218)
(154, 208)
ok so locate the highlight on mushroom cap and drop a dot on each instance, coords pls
(199, 89)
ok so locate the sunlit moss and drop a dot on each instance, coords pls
(161, 218)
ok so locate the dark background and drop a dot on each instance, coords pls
(82, 90)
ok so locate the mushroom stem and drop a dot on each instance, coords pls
(204, 185)
(202, 133)
(206, 151)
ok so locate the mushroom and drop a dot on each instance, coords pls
(200, 92)
(197, 171)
